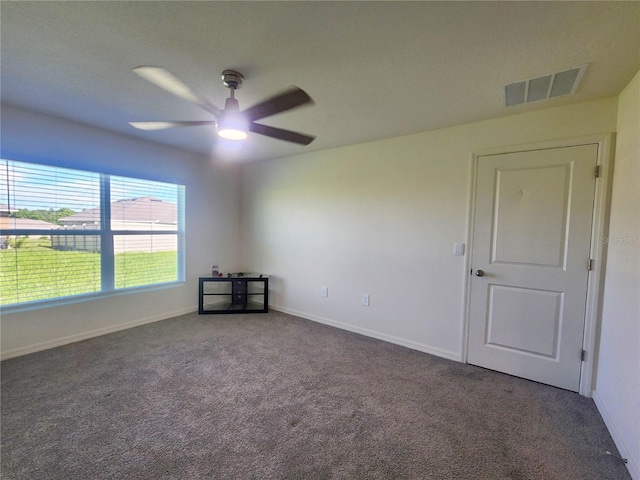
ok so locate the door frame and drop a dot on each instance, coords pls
(599, 229)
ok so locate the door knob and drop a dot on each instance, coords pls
(479, 273)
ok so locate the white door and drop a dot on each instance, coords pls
(530, 259)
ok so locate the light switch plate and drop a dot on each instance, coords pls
(458, 249)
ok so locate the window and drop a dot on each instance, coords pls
(65, 232)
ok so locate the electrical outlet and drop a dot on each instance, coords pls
(364, 299)
(324, 291)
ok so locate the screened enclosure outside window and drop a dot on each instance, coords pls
(65, 232)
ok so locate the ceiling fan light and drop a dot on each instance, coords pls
(233, 126)
(232, 134)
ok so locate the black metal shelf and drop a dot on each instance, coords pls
(238, 293)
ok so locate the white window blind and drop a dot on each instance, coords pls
(66, 232)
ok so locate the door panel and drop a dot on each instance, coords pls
(532, 236)
(522, 234)
(507, 322)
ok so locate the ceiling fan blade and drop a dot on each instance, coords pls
(291, 98)
(165, 125)
(281, 134)
(172, 84)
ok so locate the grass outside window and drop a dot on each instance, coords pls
(46, 273)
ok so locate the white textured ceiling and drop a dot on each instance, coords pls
(374, 69)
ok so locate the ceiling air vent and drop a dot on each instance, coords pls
(546, 86)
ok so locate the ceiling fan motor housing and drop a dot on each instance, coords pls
(232, 79)
(231, 105)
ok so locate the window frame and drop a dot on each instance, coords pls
(106, 235)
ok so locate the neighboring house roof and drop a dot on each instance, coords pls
(143, 209)
(7, 222)
(6, 210)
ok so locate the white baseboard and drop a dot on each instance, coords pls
(372, 333)
(623, 448)
(58, 342)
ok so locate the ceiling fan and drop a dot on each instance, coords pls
(230, 122)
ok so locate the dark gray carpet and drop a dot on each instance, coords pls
(274, 396)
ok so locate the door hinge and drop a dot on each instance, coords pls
(583, 355)
(590, 264)
(597, 171)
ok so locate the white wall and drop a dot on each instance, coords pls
(617, 393)
(382, 218)
(212, 225)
